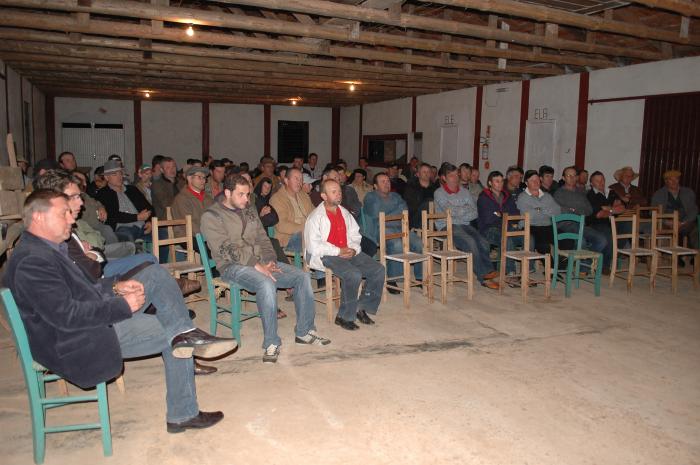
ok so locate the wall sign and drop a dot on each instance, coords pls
(541, 113)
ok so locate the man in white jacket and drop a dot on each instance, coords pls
(332, 238)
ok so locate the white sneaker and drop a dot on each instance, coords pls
(271, 354)
(312, 338)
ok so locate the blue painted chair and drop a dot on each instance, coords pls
(36, 376)
(217, 287)
(576, 257)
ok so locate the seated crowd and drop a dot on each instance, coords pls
(92, 294)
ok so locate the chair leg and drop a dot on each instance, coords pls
(524, 279)
(236, 314)
(613, 268)
(501, 274)
(630, 272)
(470, 278)
(213, 310)
(406, 284)
(427, 276)
(37, 414)
(652, 270)
(569, 272)
(547, 276)
(62, 387)
(103, 408)
(598, 274)
(444, 272)
(674, 273)
(431, 281)
(556, 272)
(120, 384)
(329, 295)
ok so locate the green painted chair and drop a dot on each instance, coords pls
(576, 257)
(217, 286)
(296, 256)
(36, 376)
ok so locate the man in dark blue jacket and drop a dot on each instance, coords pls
(82, 329)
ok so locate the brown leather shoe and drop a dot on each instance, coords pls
(201, 344)
(202, 370)
(202, 420)
(493, 274)
(188, 286)
(491, 285)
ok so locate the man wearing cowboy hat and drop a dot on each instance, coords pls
(673, 197)
(629, 195)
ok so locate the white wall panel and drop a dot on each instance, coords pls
(237, 132)
(172, 129)
(390, 117)
(320, 126)
(501, 111)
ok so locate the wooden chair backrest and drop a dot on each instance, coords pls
(507, 232)
(644, 213)
(185, 222)
(659, 231)
(428, 231)
(633, 235)
(383, 236)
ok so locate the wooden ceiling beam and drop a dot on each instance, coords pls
(556, 15)
(14, 18)
(135, 9)
(90, 45)
(686, 8)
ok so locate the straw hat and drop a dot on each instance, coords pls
(619, 172)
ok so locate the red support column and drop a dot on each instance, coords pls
(582, 124)
(524, 109)
(477, 125)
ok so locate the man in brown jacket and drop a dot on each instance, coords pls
(293, 206)
(193, 200)
(244, 255)
(165, 188)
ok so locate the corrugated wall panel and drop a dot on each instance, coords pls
(671, 140)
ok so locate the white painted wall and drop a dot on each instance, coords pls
(350, 134)
(320, 126)
(237, 132)
(103, 111)
(390, 117)
(501, 111)
(172, 129)
(431, 111)
(558, 98)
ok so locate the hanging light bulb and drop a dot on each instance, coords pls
(147, 94)
(189, 31)
(352, 87)
(294, 102)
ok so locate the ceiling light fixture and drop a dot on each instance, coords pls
(294, 100)
(352, 87)
(189, 31)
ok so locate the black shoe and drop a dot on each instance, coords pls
(202, 420)
(202, 370)
(392, 291)
(192, 314)
(321, 282)
(364, 318)
(201, 344)
(349, 325)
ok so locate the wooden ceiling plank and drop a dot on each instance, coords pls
(686, 8)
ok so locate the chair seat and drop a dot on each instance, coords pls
(579, 254)
(184, 267)
(677, 250)
(410, 257)
(523, 255)
(639, 251)
(449, 254)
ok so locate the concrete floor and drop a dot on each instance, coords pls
(608, 380)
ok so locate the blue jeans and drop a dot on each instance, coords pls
(294, 243)
(143, 335)
(351, 271)
(394, 269)
(493, 236)
(122, 265)
(265, 288)
(130, 233)
(467, 239)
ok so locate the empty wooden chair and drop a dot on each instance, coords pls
(36, 376)
(632, 252)
(190, 265)
(447, 255)
(511, 227)
(405, 257)
(666, 225)
(644, 224)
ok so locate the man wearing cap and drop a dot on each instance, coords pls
(128, 211)
(193, 199)
(144, 180)
(629, 195)
(673, 197)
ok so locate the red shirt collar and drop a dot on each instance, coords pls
(447, 189)
(199, 195)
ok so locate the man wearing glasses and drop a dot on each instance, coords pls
(194, 199)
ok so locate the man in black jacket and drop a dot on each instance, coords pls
(128, 211)
(418, 194)
(81, 328)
